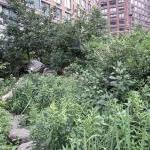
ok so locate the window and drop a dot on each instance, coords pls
(121, 8)
(103, 4)
(113, 22)
(113, 29)
(113, 10)
(121, 29)
(45, 8)
(120, 1)
(113, 15)
(104, 11)
(112, 2)
(121, 15)
(89, 7)
(78, 12)
(122, 21)
(78, 1)
(68, 4)
(58, 14)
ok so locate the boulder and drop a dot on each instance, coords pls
(7, 96)
(16, 121)
(48, 71)
(21, 134)
(25, 146)
(1, 79)
(35, 66)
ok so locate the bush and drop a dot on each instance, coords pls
(52, 126)
(40, 91)
(5, 119)
(86, 134)
(6, 85)
(90, 83)
(120, 126)
(130, 49)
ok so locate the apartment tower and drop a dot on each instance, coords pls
(65, 9)
(123, 15)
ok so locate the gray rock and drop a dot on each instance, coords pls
(17, 119)
(47, 71)
(26, 146)
(10, 94)
(20, 134)
(1, 79)
(7, 96)
(35, 66)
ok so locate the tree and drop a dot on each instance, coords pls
(91, 24)
(28, 35)
(72, 35)
(96, 23)
(35, 35)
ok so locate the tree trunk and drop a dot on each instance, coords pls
(28, 55)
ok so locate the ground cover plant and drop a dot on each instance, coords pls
(93, 106)
(102, 100)
(5, 119)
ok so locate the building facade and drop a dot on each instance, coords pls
(123, 15)
(65, 9)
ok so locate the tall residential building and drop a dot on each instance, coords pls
(65, 9)
(122, 15)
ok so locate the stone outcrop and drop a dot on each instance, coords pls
(35, 66)
(20, 134)
(7, 96)
(26, 146)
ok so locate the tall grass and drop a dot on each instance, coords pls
(59, 120)
(120, 127)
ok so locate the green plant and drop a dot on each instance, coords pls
(90, 87)
(40, 91)
(87, 132)
(28, 35)
(120, 126)
(6, 85)
(52, 126)
(119, 82)
(5, 120)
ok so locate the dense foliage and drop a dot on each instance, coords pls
(102, 101)
(5, 119)
(33, 35)
(40, 91)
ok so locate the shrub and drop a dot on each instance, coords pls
(127, 124)
(90, 84)
(40, 91)
(5, 119)
(131, 49)
(87, 132)
(51, 126)
(6, 85)
(119, 81)
(120, 126)
(3, 67)
(97, 87)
